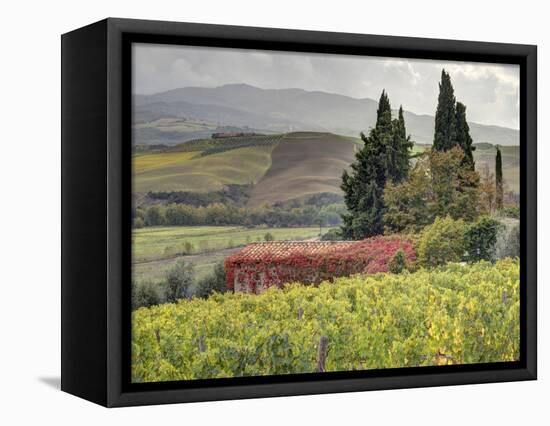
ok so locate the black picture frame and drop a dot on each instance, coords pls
(96, 203)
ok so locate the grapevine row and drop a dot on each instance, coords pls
(457, 314)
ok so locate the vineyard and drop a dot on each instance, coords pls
(456, 314)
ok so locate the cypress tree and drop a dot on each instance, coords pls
(401, 120)
(384, 108)
(385, 155)
(445, 115)
(405, 147)
(363, 187)
(398, 151)
(463, 138)
(498, 179)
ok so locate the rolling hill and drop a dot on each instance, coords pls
(279, 167)
(302, 164)
(189, 171)
(280, 111)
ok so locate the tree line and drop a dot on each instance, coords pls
(220, 214)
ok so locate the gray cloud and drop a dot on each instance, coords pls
(490, 91)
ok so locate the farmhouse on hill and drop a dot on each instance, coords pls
(259, 266)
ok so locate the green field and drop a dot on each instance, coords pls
(156, 243)
(203, 265)
(155, 172)
(156, 249)
(145, 162)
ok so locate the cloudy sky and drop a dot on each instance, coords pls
(490, 91)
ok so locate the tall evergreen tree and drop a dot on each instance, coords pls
(364, 187)
(405, 147)
(463, 138)
(445, 115)
(498, 179)
(384, 108)
(398, 150)
(384, 156)
(401, 120)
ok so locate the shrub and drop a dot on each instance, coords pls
(178, 215)
(179, 250)
(332, 235)
(138, 223)
(268, 237)
(508, 242)
(179, 280)
(154, 216)
(189, 247)
(512, 212)
(398, 262)
(440, 184)
(441, 242)
(147, 293)
(480, 239)
(214, 282)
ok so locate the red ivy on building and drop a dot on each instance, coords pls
(262, 265)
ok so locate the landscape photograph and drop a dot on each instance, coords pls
(298, 213)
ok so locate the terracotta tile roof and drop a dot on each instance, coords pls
(286, 249)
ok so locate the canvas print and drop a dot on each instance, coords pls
(299, 213)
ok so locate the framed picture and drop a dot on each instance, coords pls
(254, 212)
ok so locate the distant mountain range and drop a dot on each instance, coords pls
(283, 110)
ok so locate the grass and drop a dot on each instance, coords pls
(156, 271)
(419, 148)
(157, 243)
(186, 171)
(146, 162)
